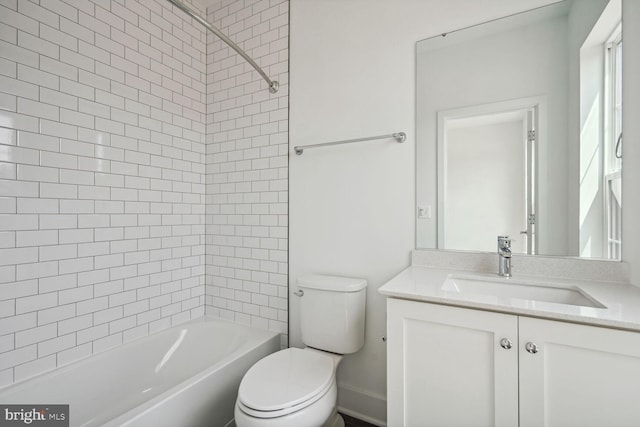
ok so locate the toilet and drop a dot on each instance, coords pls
(297, 387)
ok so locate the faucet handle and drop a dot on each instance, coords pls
(502, 240)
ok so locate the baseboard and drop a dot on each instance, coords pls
(362, 404)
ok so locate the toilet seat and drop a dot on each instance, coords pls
(285, 382)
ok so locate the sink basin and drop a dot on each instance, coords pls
(510, 288)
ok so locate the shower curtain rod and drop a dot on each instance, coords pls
(273, 85)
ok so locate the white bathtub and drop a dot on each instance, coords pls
(184, 376)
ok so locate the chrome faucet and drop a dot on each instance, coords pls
(504, 256)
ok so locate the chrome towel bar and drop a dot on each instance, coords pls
(398, 136)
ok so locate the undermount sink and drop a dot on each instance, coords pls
(510, 288)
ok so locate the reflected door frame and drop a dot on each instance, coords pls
(534, 109)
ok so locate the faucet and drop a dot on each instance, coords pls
(504, 256)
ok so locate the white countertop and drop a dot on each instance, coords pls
(621, 301)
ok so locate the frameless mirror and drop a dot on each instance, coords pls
(519, 133)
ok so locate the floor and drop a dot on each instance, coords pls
(354, 422)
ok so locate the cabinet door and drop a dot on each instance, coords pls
(446, 367)
(580, 375)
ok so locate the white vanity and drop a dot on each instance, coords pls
(469, 348)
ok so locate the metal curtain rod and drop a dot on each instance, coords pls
(273, 84)
(398, 136)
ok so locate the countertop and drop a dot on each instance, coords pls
(621, 301)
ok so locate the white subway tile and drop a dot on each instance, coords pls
(87, 20)
(57, 283)
(7, 343)
(58, 68)
(7, 239)
(15, 154)
(77, 60)
(75, 118)
(103, 234)
(93, 276)
(38, 45)
(57, 344)
(15, 53)
(18, 121)
(91, 334)
(57, 252)
(106, 343)
(77, 206)
(8, 136)
(108, 288)
(36, 302)
(11, 17)
(18, 356)
(40, 78)
(116, 310)
(75, 265)
(59, 191)
(75, 295)
(122, 324)
(18, 255)
(79, 148)
(135, 333)
(93, 193)
(74, 354)
(75, 236)
(57, 222)
(36, 238)
(17, 323)
(55, 314)
(37, 173)
(15, 188)
(62, 130)
(93, 164)
(18, 222)
(35, 335)
(7, 309)
(11, 289)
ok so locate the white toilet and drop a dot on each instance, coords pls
(295, 387)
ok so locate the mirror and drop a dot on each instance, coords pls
(519, 133)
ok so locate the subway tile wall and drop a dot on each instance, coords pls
(247, 166)
(102, 178)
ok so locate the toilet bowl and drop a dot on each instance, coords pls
(290, 388)
(297, 387)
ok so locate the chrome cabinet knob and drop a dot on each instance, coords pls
(506, 343)
(531, 347)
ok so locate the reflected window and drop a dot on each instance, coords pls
(613, 144)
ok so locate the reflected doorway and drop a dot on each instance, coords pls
(487, 156)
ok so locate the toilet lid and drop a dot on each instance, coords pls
(285, 379)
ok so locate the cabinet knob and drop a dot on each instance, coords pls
(506, 343)
(531, 347)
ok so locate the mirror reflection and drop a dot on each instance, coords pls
(519, 133)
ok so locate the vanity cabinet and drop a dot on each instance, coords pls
(451, 366)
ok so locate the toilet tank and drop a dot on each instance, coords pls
(332, 312)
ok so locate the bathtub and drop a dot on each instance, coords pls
(184, 376)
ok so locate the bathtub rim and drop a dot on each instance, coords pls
(264, 335)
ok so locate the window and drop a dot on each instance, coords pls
(613, 144)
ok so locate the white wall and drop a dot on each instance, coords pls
(485, 186)
(102, 177)
(631, 132)
(352, 207)
(246, 161)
